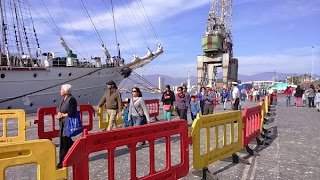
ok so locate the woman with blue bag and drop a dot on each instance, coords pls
(67, 108)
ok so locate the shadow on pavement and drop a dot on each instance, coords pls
(125, 150)
(273, 134)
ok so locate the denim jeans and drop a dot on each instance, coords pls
(288, 98)
(193, 116)
(311, 101)
(136, 120)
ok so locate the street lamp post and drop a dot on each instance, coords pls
(312, 74)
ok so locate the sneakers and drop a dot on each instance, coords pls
(141, 144)
(59, 166)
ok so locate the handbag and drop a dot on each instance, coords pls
(74, 125)
(167, 107)
(143, 117)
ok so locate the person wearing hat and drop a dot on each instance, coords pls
(209, 98)
(235, 96)
(112, 99)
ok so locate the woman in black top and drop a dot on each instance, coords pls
(298, 95)
(67, 108)
(168, 99)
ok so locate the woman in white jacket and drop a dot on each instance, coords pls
(317, 100)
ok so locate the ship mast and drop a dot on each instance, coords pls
(16, 28)
(4, 28)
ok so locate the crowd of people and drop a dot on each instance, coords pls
(304, 95)
(135, 112)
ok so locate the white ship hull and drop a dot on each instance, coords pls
(32, 88)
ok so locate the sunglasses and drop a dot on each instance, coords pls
(134, 91)
(179, 90)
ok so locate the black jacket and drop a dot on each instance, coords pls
(170, 100)
(299, 93)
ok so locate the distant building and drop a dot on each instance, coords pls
(302, 78)
(161, 83)
(260, 84)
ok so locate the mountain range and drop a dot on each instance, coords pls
(174, 81)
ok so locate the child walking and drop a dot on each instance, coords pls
(195, 108)
(125, 114)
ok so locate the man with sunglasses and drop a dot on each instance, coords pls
(112, 99)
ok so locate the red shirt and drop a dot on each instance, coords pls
(287, 92)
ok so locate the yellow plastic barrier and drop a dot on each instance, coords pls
(19, 114)
(104, 124)
(266, 104)
(216, 120)
(262, 115)
(42, 152)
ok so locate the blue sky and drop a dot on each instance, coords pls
(268, 35)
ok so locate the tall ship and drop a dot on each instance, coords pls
(31, 79)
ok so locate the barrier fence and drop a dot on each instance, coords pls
(151, 104)
(52, 111)
(266, 104)
(234, 119)
(18, 114)
(153, 107)
(110, 140)
(42, 152)
(251, 121)
(262, 114)
(237, 129)
(103, 124)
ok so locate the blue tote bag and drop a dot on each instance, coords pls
(74, 125)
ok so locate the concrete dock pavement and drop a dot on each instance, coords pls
(292, 153)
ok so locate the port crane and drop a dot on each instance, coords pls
(217, 46)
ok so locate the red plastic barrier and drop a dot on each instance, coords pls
(153, 107)
(110, 140)
(52, 111)
(251, 124)
(91, 113)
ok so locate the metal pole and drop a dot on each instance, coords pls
(312, 75)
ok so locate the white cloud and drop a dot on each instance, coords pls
(170, 69)
(295, 60)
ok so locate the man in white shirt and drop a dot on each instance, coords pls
(270, 90)
(235, 96)
(271, 94)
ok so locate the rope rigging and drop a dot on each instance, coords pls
(51, 23)
(143, 20)
(73, 29)
(119, 28)
(143, 37)
(114, 27)
(93, 25)
(154, 32)
(101, 22)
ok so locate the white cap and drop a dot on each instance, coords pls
(209, 85)
(234, 83)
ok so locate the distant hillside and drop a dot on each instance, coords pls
(174, 81)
